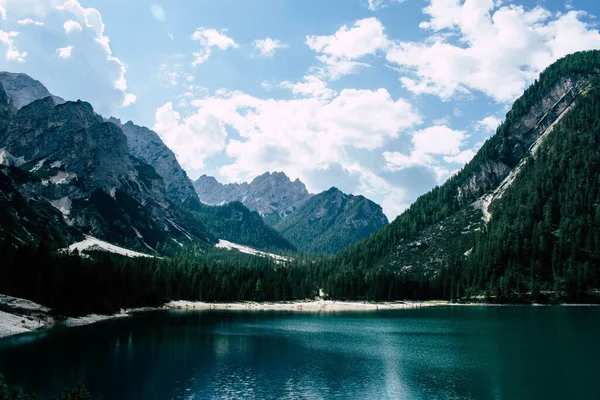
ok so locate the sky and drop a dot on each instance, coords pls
(384, 98)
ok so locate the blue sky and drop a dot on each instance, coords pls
(384, 98)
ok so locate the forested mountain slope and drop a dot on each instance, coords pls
(535, 181)
(545, 229)
(324, 223)
(330, 221)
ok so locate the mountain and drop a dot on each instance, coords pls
(236, 223)
(67, 172)
(522, 216)
(330, 221)
(146, 145)
(322, 223)
(21, 89)
(80, 164)
(272, 195)
(212, 192)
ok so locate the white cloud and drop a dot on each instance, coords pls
(311, 86)
(482, 46)
(92, 19)
(208, 39)
(365, 37)
(339, 52)
(438, 139)
(90, 16)
(65, 52)
(334, 68)
(295, 135)
(29, 21)
(268, 46)
(445, 120)
(129, 99)
(175, 75)
(193, 139)
(266, 85)
(488, 124)
(427, 143)
(72, 26)
(12, 53)
(461, 158)
(2, 12)
(394, 199)
(374, 5)
(395, 202)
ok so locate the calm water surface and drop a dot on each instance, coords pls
(428, 353)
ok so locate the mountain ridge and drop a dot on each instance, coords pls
(103, 177)
(445, 229)
(331, 220)
(146, 145)
(316, 223)
(273, 195)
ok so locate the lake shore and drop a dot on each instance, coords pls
(305, 306)
(21, 316)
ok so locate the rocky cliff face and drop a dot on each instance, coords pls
(212, 192)
(518, 135)
(21, 90)
(272, 195)
(330, 221)
(142, 142)
(81, 165)
(146, 145)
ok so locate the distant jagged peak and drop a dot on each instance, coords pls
(272, 194)
(23, 89)
(273, 176)
(114, 120)
(208, 178)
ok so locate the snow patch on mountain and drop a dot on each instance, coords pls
(62, 178)
(92, 244)
(180, 229)
(38, 165)
(227, 245)
(63, 205)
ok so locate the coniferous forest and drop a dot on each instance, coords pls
(15, 393)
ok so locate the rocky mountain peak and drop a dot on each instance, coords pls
(273, 195)
(146, 145)
(22, 89)
(331, 220)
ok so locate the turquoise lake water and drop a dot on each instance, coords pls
(428, 353)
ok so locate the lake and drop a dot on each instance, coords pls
(447, 352)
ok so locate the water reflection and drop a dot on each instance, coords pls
(461, 353)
